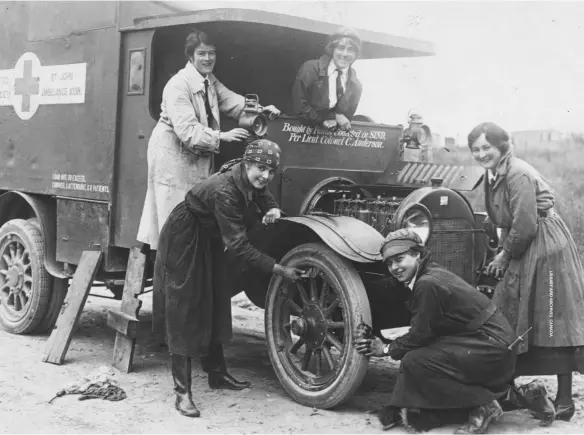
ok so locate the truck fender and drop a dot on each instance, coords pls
(349, 237)
(44, 211)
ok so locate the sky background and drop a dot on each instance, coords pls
(517, 63)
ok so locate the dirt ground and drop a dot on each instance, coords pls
(27, 384)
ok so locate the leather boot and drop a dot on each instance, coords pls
(389, 416)
(223, 380)
(480, 418)
(181, 375)
(532, 396)
(536, 399)
(565, 412)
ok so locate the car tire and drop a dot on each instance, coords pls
(324, 331)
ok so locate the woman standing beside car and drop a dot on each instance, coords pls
(542, 284)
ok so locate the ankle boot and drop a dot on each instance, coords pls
(223, 380)
(565, 412)
(181, 375)
(480, 418)
(534, 397)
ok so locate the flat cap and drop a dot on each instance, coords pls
(400, 241)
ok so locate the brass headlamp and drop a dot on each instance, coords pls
(417, 134)
(253, 119)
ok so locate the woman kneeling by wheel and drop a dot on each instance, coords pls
(202, 236)
(455, 358)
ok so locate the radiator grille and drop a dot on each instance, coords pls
(453, 250)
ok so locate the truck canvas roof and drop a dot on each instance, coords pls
(290, 33)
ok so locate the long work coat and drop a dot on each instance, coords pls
(182, 145)
(310, 94)
(455, 354)
(204, 236)
(543, 287)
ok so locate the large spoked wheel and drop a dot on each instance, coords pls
(310, 327)
(24, 282)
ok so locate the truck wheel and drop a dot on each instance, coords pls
(58, 293)
(24, 282)
(310, 325)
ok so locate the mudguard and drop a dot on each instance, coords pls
(349, 237)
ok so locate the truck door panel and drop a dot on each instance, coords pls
(135, 127)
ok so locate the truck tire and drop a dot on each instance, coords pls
(59, 291)
(24, 282)
(310, 327)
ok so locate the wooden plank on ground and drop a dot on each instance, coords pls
(123, 353)
(58, 343)
(133, 287)
(122, 323)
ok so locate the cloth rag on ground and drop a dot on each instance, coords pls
(97, 385)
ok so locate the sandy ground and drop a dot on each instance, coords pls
(27, 384)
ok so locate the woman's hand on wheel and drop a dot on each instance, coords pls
(370, 346)
(291, 273)
(499, 265)
(234, 135)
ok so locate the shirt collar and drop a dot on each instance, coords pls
(333, 67)
(492, 176)
(197, 79)
(413, 281)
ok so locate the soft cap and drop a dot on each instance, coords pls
(398, 242)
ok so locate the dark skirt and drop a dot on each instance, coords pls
(544, 289)
(458, 371)
(190, 272)
(539, 361)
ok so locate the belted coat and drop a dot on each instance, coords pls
(543, 287)
(203, 245)
(182, 146)
(455, 354)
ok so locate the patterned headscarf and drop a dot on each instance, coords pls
(263, 151)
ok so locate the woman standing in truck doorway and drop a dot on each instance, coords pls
(326, 91)
(187, 135)
(542, 284)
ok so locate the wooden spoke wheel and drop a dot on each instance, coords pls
(310, 327)
(24, 282)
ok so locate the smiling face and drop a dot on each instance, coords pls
(345, 53)
(204, 59)
(403, 266)
(485, 154)
(259, 175)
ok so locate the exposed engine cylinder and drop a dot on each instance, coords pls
(377, 212)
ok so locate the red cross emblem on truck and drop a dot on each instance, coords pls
(26, 86)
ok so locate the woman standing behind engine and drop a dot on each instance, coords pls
(542, 284)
